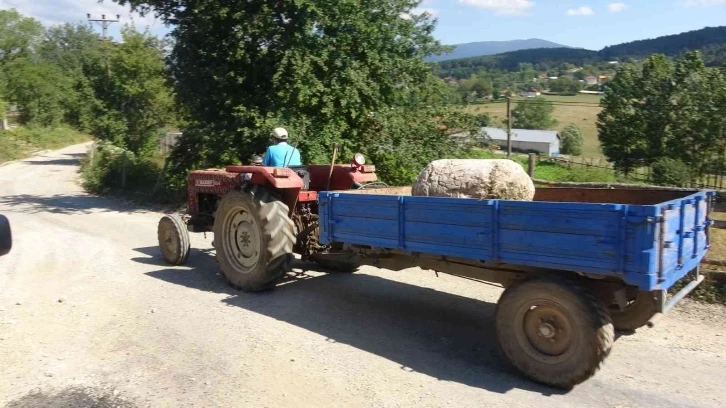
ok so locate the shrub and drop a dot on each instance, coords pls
(670, 172)
(555, 172)
(572, 140)
(103, 171)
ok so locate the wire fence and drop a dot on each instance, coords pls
(711, 180)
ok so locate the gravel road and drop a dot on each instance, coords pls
(89, 312)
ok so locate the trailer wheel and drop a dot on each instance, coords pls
(173, 239)
(636, 314)
(554, 331)
(340, 264)
(254, 238)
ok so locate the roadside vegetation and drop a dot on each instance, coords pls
(65, 85)
(22, 142)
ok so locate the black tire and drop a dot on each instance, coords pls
(349, 264)
(553, 331)
(338, 266)
(254, 239)
(173, 239)
(636, 314)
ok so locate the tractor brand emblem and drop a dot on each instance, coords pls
(207, 183)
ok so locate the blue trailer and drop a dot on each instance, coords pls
(576, 264)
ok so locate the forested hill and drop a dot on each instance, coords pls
(671, 45)
(711, 41)
(481, 48)
(542, 58)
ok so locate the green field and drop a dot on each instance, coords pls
(582, 116)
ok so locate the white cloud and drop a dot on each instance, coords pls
(702, 3)
(501, 6)
(432, 12)
(581, 11)
(617, 7)
(52, 12)
(428, 10)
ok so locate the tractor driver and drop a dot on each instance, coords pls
(281, 154)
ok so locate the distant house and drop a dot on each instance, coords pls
(531, 93)
(602, 79)
(525, 140)
(552, 78)
(591, 80)
(450, 80)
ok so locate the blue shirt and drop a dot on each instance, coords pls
(281, 155)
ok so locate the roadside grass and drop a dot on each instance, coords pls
(713, 289)
(22, 142)
(545, 170)
(105, 171)
(584, 117)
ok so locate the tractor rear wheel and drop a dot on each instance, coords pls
(254, 239)
(173, 239)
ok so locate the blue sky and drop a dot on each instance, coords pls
(589, 24)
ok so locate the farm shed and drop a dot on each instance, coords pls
(525, 140)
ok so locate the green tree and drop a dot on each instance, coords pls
(534, 113)
(670, 172)
(664, 111)
(41, 91)
(565, 85)
(79, 52)
(322, 68)
(572, 141)
(482, 87)
(634, 125)
(698, 122)
(18, 35)
(135, 101)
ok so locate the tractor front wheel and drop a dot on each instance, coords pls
(254, 239)
(173, 239)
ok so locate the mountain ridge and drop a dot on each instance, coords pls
(484, 48)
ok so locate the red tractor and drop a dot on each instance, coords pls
(260, 217)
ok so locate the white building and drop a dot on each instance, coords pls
(525, 140)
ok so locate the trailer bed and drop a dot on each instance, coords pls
(647, 238)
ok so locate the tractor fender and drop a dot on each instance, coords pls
(264, 176)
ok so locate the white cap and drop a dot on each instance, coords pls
(279, 133)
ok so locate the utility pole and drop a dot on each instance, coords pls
(103, 22)
(509, 127)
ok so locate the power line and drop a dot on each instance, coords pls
(103, 22)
